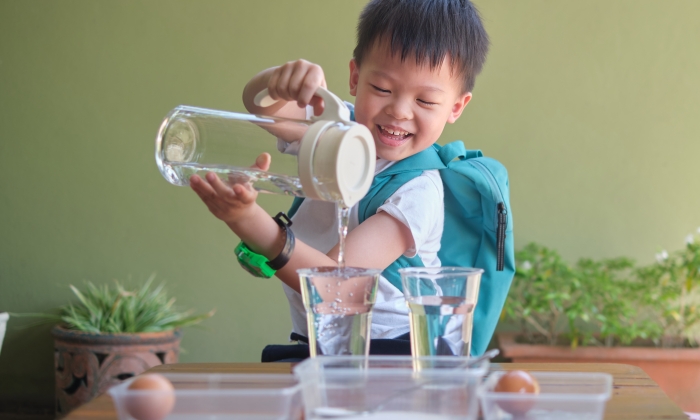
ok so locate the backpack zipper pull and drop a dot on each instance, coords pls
(501, 235)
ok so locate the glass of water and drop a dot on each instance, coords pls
(338, 305)
(441, 302)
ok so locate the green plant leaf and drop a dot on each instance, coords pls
(104, 309)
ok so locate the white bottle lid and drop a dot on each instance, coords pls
(337, 156)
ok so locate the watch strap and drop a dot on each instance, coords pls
(283, 258)
(259, 265)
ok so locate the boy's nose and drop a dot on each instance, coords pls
(400, 109)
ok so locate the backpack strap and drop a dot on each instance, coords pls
(385, 185)
(295, 206)
(456, 150)
(391, 179)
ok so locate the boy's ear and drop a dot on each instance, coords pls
(459, 106)
(354, 77)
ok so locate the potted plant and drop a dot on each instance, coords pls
(112, 334)
(610, 311)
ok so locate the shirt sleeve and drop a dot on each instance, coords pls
(288, 148)
(418, 204)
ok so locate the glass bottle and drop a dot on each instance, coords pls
(335, 160)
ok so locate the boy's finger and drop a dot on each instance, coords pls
(243, 194)
(203, 189)
(221, 189)
(272, 83)
(296, 84)
(282, 84)
(308, 87)
(263, 161)
(318, 105)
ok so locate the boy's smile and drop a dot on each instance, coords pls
(405, 105)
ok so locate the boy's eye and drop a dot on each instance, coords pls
(378, 89)
(427, 103)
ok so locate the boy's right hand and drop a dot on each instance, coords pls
(230, 202)
(298, 81)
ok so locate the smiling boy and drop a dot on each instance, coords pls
(412, 72)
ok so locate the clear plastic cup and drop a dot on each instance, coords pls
(338, 306)
(441, 303)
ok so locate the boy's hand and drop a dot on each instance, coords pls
(298, 81)
(228, 203)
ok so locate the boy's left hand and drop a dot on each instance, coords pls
(228, 203)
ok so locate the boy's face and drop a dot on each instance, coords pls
(404, 105)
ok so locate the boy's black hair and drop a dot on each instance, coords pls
(428, 29)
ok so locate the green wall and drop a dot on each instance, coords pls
(593, 106)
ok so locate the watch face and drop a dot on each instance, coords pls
(255, 270)
(252, 270)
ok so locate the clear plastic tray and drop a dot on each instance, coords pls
(390, 387)
(218, 396)
(563, 396)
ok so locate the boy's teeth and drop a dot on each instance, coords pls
(394, 132)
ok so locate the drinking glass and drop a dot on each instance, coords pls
(441, 303)
(338, 306)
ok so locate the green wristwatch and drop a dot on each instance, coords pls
(258, 265)
(253, 263)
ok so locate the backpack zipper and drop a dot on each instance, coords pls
(501, 214)
(501, 235)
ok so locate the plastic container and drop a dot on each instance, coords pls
(336, 156)
(390, 387)
(218, 396)
(562, 396)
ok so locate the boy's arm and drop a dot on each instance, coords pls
(292, 84)
(376, 243)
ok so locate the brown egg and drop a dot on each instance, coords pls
(518, 382)
(150, 397)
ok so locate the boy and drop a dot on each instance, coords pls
(412, 72)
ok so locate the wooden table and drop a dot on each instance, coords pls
(634, 395)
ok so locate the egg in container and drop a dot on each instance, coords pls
(196, 396)
(151, 397)
(562, 395)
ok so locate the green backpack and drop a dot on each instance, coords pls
(478, 230)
